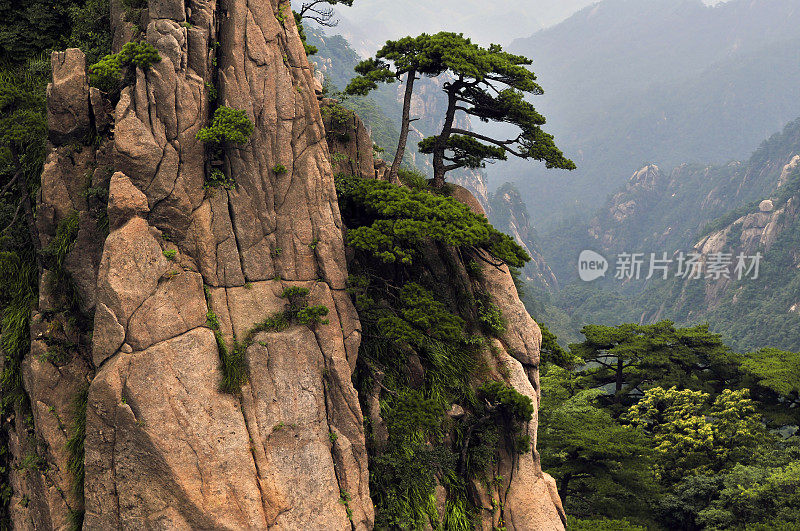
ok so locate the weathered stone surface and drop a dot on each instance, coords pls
(130, 269)
(169, 9)
(68, 97)
(83, 261)
(175, 308)
(166, 450)
(157, 422)
(64, 181)
(287, 404)
(53, 409)
(108, 334)
(124, 201)
(529, 500)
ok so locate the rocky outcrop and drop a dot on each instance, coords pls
(527, 496)
(754, 232)
(154, 283)
(164, 447)
(350, 143)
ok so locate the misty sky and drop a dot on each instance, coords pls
(369, 23)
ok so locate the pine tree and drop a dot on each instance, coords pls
(486, 83)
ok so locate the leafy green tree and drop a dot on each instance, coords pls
(320, 11)
(23, 132)
(553, 352)
(602, 468)
(107, 72)
(774, 376)
(630, 358)
(694, 434)
(485, 83)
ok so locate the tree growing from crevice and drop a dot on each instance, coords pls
(486, 83)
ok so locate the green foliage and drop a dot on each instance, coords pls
(419, 319)
(294, 292)
(420, 347)
(776, 370)
(491, 318)
(602, 524)
(234, 366)
(91, 25)
(64, 240)
(398, 222)
(312, 315)
(413, 179)
(22, 116)
(339, 120)
(279, 169)
(274, 323)
(404, 477)
(553, 352)
(30, 27)
(217, 179)
(170, 254)
(32, 461)
(695, 435)
(511, 404)
(695, 457)
(499, 420)
(18, 291)
(228, 125)
(588, 453)
(107, 72)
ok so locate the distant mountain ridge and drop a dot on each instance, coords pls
(739, 208)
(656, 81)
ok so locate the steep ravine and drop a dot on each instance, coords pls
(131, 290)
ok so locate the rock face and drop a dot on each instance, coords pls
(164, 447)
(162, 282)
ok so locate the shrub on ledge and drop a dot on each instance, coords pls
(227, 125)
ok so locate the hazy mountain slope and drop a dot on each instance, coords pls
(708, 208)
(629, 82)
(509, 214)
(335, 60)
(665, 210)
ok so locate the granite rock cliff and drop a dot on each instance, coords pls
(156, 279)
